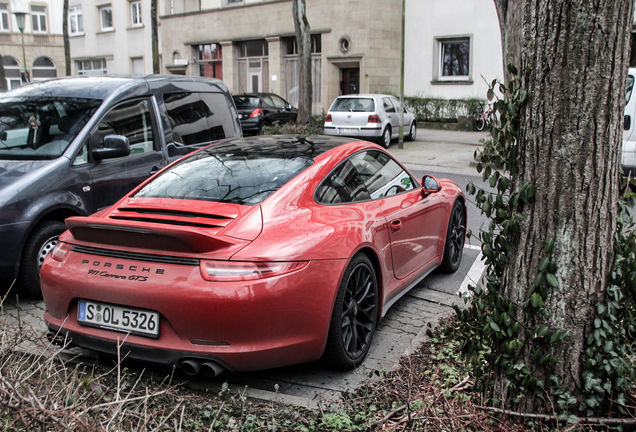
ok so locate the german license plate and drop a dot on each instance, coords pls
(348, 130)
(118, 318)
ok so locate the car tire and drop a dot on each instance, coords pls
(40, 243)
(355, 316)
(412, 132)
(455, 238)
(385, 139)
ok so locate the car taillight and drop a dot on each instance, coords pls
(60, 251)
(256, 112)
(374, 118)
(328, 118)
(226, 271)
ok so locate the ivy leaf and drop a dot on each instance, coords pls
(494, 326)
(536, 301)
(543, 265)
(551, 280)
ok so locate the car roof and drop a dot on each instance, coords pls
(364, 95)
(280, 145)
(102, 86)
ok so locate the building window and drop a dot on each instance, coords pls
(210, 61)
(252, 65)
(137, 66)
(43, 69)
(38, 17)
(233, 2)
(11, 72)
(91, 67)
(291, 69)
(453, 59)
(135, 14)
(75, 21)
(106, 18)
(4, 17)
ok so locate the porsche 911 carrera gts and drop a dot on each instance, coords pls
(253, 253)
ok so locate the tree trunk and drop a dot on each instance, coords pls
(574, 59)
(303, 42)
(155, 36)
(67, 43)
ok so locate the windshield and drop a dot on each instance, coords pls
(41, 128)
(240, 177)
(353, 104)
(246, 101)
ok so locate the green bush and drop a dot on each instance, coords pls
(315, 127)
(441, 110)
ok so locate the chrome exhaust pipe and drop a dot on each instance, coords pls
(191, 366)
(211, 369)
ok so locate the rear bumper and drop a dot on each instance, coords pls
(263, 324)
(359, 132)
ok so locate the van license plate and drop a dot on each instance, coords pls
(119, 318)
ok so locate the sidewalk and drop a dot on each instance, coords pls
(441, 151)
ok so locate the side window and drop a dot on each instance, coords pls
(268, 100)
(188, 117)
(279, 102)
(132, 120)
(629, 88)
(388, 105)
(82, 156)
(381, 175)
(343, 185)
(220, 121)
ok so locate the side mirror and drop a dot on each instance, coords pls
(114, 146)
(430, 185)
(289, 106)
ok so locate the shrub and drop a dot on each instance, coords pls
(441, 110)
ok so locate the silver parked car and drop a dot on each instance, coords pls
(375, 117)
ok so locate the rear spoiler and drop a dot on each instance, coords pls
(97, 231)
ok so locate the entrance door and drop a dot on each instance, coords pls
(255, 82)
(350, 83)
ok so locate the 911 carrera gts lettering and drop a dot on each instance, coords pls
(133, 268)
(116, 276)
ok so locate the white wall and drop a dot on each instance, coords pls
(428, 19)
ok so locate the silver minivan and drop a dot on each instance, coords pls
(374, 117)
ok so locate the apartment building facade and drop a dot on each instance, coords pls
(110, 37)
(43, 53)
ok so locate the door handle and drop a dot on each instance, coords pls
(396, 225)
(153, 170)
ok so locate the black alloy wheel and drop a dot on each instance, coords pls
(455, 238)
(354, 317)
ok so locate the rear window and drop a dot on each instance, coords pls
(237, 177)
(246, 101)
(353, 104)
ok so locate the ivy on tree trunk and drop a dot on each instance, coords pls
(574, 56)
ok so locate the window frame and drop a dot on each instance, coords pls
(136, 5)
(414, 182)
(101, 10)
(5, 15)
(438, 64)
(75, 14)
(82, 71)
(40, 18)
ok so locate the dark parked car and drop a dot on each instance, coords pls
(262, 109)
(72, 146)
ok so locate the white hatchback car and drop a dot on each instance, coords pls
(375, 117)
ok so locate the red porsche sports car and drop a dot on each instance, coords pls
(253, 253)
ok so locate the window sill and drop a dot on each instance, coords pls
(452, 82)
(105, 31)
(76, 35)
(135, 27)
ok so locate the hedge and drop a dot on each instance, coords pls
(440, 110)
